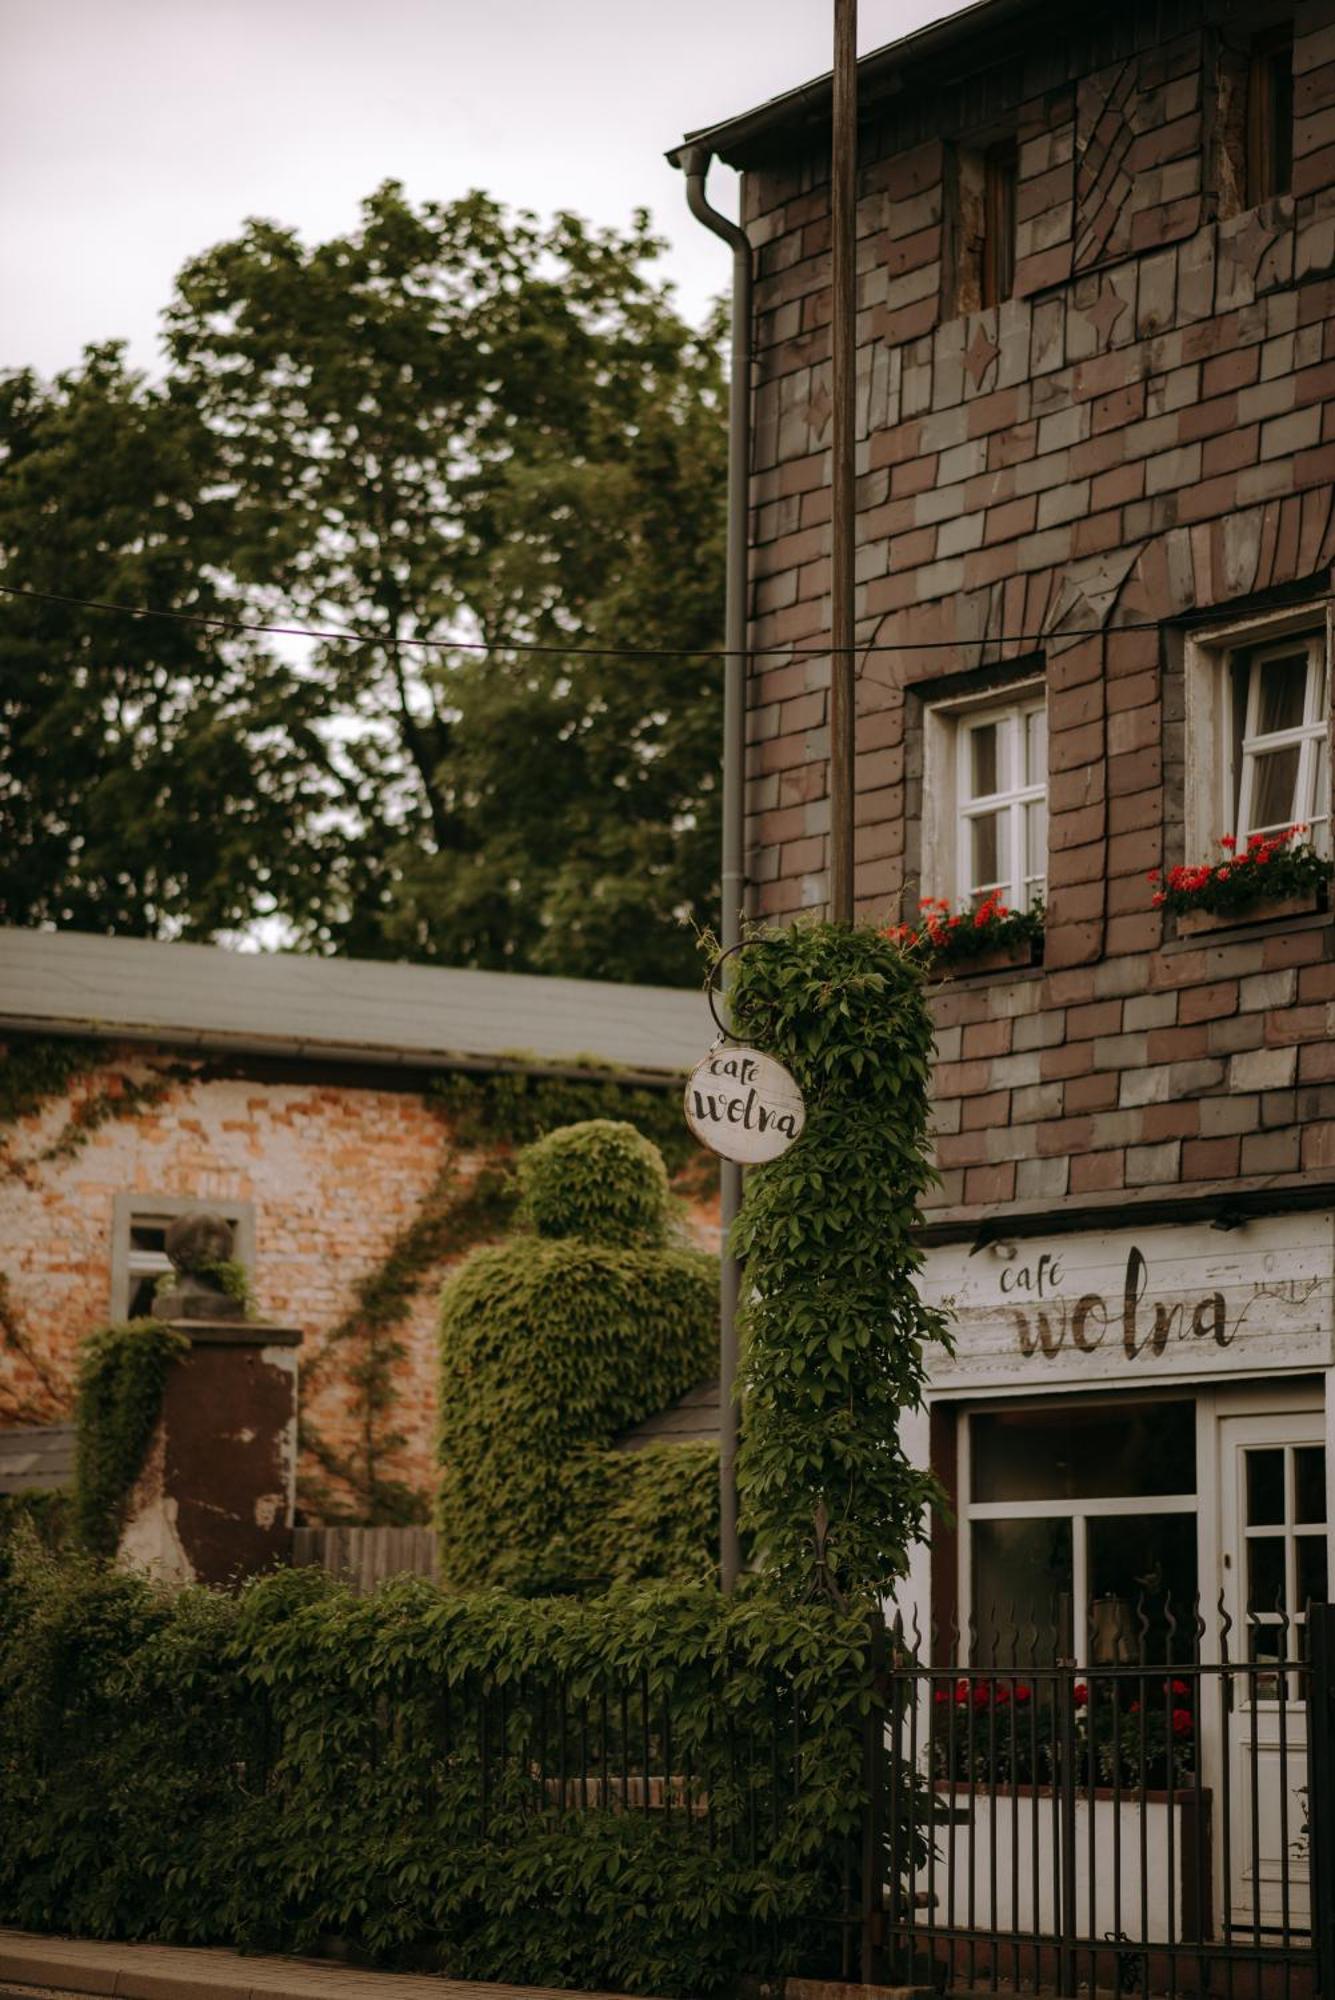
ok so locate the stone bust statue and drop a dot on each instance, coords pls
(197, 1246)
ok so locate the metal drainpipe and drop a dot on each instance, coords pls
(694, 162)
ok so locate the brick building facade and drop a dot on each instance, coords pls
(299, 1098)
(1096, 522)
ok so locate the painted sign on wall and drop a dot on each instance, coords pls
(1136, 1305)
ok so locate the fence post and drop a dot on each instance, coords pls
(875, 1772)
(1064, 1693)
(1321, 1791)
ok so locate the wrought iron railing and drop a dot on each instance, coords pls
(1141, 1824)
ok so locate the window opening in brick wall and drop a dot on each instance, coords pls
(1279, 709)
(1269, 137)
(1060, 1538)
(1001, 833)
(139, 1256)
(997, 276)
(1258, 750)
(982, 225)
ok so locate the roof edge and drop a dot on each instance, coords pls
(737, 141)
(382, 1055)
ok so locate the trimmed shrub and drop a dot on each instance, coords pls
(600, 1181)
(548, 1352)
(552, 1345)
(296, 1762)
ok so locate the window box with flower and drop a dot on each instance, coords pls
(989, 938)
(1267, 877)
(1132, 1732)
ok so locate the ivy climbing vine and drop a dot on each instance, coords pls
(472, 1199)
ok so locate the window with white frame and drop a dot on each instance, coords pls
(985, 810)
(1080, 1526)
(139, 1257)
(1258, 749)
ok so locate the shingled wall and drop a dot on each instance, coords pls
(1145, 429)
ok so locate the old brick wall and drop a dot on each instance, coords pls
(335, 1171)
(1145, 429)
(334, 1174)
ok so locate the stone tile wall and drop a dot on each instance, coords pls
(1146, 428)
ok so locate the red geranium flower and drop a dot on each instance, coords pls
(1182, 1723)
(1081, 1693)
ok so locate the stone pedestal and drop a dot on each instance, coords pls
(214, 1502)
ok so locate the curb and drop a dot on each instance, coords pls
(171, 1972)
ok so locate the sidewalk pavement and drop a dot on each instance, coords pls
(170, 1972)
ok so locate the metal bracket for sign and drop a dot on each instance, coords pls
(725, 1034)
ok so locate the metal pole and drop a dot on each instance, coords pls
(695, 164)
(843, 518)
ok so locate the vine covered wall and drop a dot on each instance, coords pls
(363, 1197)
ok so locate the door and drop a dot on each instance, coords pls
(1274, 1516)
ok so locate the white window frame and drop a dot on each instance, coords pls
(1217, 791)
(129, 1265)
(1078, 1512)
(948, 808)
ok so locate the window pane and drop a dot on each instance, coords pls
(987, 836)
(1282, 696)
(1312, 1586)
(984, 760)
(1309, 1466)
(1141, 1566)
(1274, 776)
(1036, 841)
(1265, 1488)
(1095, 1454)
(149, 1236)
(141, 1296)
(1265, 1573)
(1320, 779)
(1022, 1580)
(1036, 747)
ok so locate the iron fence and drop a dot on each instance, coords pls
(1158, 1822)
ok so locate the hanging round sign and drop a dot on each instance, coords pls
(744, 1105)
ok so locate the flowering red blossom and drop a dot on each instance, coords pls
(1267, 866)
(1182, 1723)
(1081, 1693)
(954, 936)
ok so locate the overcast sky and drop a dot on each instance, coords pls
(134, 133)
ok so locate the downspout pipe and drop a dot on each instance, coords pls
(694, 162)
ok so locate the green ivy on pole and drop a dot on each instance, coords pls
(834, 1334)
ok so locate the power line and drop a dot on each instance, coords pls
(347, 636)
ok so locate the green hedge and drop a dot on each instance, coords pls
(295, 1762)
(552, 1344)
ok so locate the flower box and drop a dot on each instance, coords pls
(1194, 923)
(1005, 958)
(957, 944)
(1263, 880)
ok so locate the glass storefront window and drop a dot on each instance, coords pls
(1061, 1566)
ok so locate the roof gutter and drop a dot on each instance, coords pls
(694, 163)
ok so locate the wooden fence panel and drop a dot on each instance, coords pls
(366, 1557)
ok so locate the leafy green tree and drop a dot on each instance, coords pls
(451, 428)
(155, 778)
(455, 425)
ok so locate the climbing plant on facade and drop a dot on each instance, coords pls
(472, 1199)
(122, 1375)
(552, 1344)
(835, 1336)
